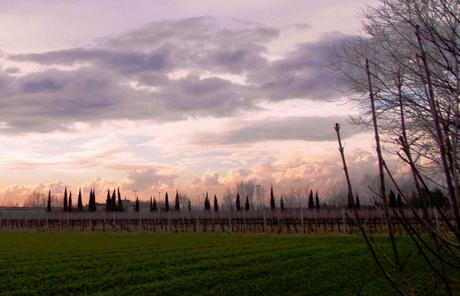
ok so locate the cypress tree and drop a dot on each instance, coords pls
(177, 202)
(207, 204)
(311, 203)
(272, 200)
(48, 205)
(166, 202)
(247, 207)
(154, 206)
(120, 203)
(216, 205)
(392, 199)
(399, 203)
(70, 208)
(357, 203)
(151, 204)
(92, 201)
(137, 206)
(317, 205)
(113, 202)
(350, 202)
(238, 202)
(89, 199)
(65, 200)
(79, 202)
(108, 202)
(282, 204)
(189, 205)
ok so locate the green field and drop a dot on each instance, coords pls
(173, 264)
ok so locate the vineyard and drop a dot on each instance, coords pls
(298, 220)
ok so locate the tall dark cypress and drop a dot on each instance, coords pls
(392, 199)
(282, 204)
(399, 203)
(272, 200)
(120, 203)
(247, 206)
(177, 202)
(70, 208)
(108, 201)
(80, 201)
(166, 202)
(48, 204)
(137, 206)
(238, 202)
(65, 206)
(350, 202)
(357, 203)
(207, 204)
(317, 205)
(189, 205)
(92, 201)
(113, 202)
(216, 204)
(151, 204)
(154, 207)
(311, 203)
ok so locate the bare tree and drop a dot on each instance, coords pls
(404, 75)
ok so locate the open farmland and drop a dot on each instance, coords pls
(188, 263)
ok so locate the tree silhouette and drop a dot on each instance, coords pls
(207, 203)
(177, 202)
(65, 200)
(166, 202)
(272, 200)
(154, 207)
(70, 208)
(238, 202)
(311, 203)
(392, 199)
(92, 201)
(113, 203)
(79, 202)
(350, 201)
(108, 202)
(120, 203)
(282, 204)
(317, 205)
(189, 205)
(136, 205)
(357, 203)
(216, 205)
(399, 203)
(247, 207)
(48, 205)
(151, 204)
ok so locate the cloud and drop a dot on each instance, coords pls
(14, 195)
(148, 179)
(314, 128)
(129, 76)
(301, 175)
(302, 73)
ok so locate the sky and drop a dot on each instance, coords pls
(155, 96)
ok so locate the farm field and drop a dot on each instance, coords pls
(191, 263)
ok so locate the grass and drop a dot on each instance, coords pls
(173, 264)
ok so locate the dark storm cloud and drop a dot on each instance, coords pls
(302, 73)
(292, 128)
(99, 86)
